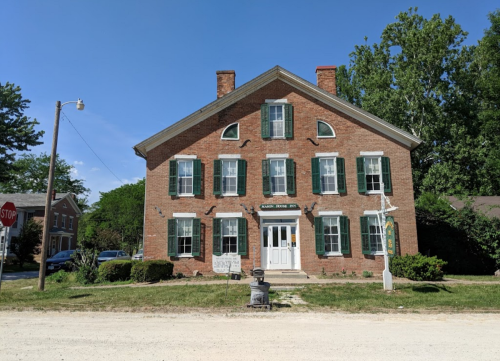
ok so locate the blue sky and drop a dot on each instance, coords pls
(140, 66)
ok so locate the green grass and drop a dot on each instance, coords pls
(26, 267)
(370, 297)
(187, 296)
(474, 278)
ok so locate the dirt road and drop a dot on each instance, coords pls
(248, 336)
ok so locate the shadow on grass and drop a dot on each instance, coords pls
(281, 305)
(80, 296)
(430, 288)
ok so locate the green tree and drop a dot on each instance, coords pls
(28, 242)
(421, 79)
(17, 131)
(117, 218)
(29, 174)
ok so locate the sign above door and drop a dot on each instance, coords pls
(279, 206)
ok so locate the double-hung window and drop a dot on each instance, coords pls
(373, 169)
(276, 119)
(229, 175)
(229, 235)
(371, 235)
(63, 221)
(184, 176)
(328, 173)
(331, 234)
(278, 175)
(71, 222)
(56, 216)
(184, 236)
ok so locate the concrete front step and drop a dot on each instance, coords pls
(285, 274)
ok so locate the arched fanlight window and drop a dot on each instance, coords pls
(232, 132)
(325, 130)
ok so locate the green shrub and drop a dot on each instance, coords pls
(367, 274)
(86, 275)
(113, 271)
(152, 271)
(417, 267)
(58, 277)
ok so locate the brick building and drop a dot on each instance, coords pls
(63, 215)
(279, 173)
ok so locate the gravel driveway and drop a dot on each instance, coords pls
(248, 336)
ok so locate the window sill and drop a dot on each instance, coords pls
(230, 195)
(374, 192)
(279, 194)
(377, 254)
(185, 195)
(327, 193)
(333, 254)
(184, 256)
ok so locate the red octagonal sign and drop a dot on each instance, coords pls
(8, 214)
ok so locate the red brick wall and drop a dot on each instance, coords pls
(203, 140)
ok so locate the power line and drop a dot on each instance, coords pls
(76, 130)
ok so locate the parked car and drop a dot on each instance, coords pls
(112, 256)
(58, 262)
(138, 255)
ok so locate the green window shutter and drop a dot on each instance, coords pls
(196, 239)
(341, 175)
(172, 236)
(217, 176)
(319, 235)
(242, 177)
(386, 174)
(360, 168)
(172, 178)
(217, 236)
(264, 121)
(242, 236)
(196, 176)
(365, 235)
(344, 235)
(266, 176)
(290, 176)
(288, 121)
(316, 180)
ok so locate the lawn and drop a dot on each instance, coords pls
(474, 278)
(189, 296)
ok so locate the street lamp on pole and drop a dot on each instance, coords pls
(48, 200)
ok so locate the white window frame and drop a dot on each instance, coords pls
(179, 254)
(179, 193)
(229, 158)
(237, 138)
(372, 155)
(324, 136)
(56, 219)
(375, 215)
(284, 193)
(235, 235)
(63, 221)
(71, 222)
(277, 103)
(337, 218)
(336, 191)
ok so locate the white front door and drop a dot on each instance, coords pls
(279, 247)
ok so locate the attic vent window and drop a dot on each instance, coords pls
(232, 132)
(325, 130)
(64, 205)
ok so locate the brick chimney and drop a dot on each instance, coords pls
(53, 194)
(225, 82)
(325, 76)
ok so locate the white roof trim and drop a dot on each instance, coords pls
(229, 215)
(253, 85)
(279, 213)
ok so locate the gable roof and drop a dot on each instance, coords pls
(489, 205)
(253, 85)
(37, 200)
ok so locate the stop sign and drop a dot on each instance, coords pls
(8, 214)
